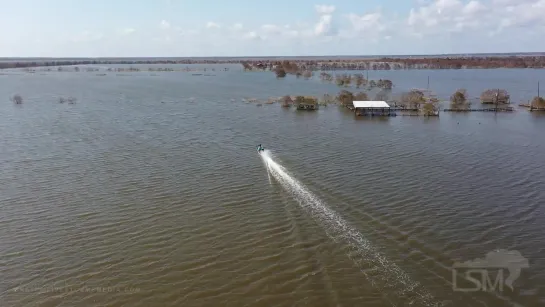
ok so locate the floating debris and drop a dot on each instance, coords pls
(70, 100)
(17, 99)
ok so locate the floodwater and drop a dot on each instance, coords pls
(149, 192)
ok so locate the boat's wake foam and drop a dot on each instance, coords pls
(394, 283)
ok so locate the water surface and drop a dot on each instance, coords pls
(148, 192)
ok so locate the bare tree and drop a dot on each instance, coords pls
(326, 98)
(412, 99)
(360, 80)
(343, 80)
(326, 77)
(382, 95)
(361, 96)
(345, 98)
(385, 84)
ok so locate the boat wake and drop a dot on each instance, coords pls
(394, 283)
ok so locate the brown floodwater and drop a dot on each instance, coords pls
(148, 191)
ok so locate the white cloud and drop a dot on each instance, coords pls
(252, 35)
(272, 29)
(87, 36)
(212, 25)
(324, 26)
(165, 25)
(493, 16)
(126, 31)
(367, 24)
(325, 9)
(440, 25)
(237, 27)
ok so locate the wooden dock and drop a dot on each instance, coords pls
(404, 109)
(531, 108)
(480, 110)
(420, 114)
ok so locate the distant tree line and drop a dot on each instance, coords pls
(384, 63)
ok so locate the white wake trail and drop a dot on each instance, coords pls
(385, 275)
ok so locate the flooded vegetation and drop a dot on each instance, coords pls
(352, 86)
(318, 64)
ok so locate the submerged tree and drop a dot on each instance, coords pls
(360, 80)
(458, 100)
(361, 96)
(346, 98)
(246, 66)
(290, 67)
(286, 101)
(538, 102)
(385, 84)
(430, 108)
(326, 98)
(413, 99)
(326, 77)
(343, 80)
(382, 95)
(280, 72)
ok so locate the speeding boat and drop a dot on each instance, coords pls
(260, 148)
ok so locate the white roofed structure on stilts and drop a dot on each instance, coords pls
(372, 108)
(371, 105)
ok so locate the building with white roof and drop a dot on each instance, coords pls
(372, 108)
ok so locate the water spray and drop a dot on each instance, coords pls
(379, 271)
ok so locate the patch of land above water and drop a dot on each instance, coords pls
(323, 63)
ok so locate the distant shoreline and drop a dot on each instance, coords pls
(331, 63)
(273, 57)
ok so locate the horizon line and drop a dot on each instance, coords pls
(280, 56)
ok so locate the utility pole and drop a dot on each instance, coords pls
(497, 96)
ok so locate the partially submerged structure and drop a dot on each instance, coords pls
(372, 108)
(495, 97)
(306, 103)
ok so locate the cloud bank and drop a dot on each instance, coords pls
(430, 27)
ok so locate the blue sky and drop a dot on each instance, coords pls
(88, 28)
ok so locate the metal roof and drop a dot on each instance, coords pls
(371, 104)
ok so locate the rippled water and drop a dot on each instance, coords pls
(149, 192)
